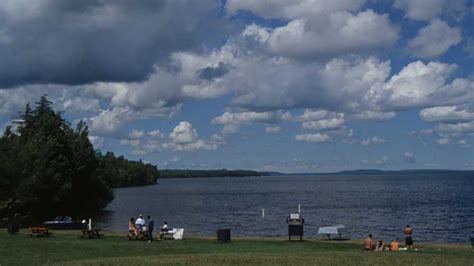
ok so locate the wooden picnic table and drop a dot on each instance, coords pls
(92, 233)
(40, 232)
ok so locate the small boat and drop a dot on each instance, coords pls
(64, 222)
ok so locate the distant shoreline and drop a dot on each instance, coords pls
(187, 173)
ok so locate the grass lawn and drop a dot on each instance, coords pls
(65, 248)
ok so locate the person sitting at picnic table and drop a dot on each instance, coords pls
(140, 223)
(380, 245)
(164, 229)
(408, 231)
(394, 245)
(369, 243)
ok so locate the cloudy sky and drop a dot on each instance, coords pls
(276, 85)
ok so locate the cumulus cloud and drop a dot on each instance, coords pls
(443, 141)
(155, 134)
(381, 161)
(429, 9)
(63, 56)
(343, 33)
(79, 105)
(459, 128)
(374, 116)
(185, 138)
(292, 9)
(136, 133)
(272, 130)
(325, 124)
(371, 141)
(446, 114)
(96, 141)
(408, 157)
(232, 121)
(109, 121)
(318, 137)
(434, 40)
(130, 142)
(419, 84)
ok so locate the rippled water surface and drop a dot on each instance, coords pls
(439, 208)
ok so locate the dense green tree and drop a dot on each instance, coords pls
(190, 173)
(47, 168)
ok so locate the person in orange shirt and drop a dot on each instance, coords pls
(369, 243)
(394, 245)
(408, 231)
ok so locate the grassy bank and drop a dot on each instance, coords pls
(65, 248)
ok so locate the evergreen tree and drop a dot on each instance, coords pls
(48, 169)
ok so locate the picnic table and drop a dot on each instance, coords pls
(91, 233)
(40, 232)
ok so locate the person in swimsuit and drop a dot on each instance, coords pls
(369, 243)
(408, 231)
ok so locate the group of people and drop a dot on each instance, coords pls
(371, 245)
(143, 229)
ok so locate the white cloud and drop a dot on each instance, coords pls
(420, 85)
(342, 33)
(381, 161)
(272, 130)
(230, 129)
(408, 157)
(185, 138)
(325, 124)
(469, 46)
(374, 116)
(321, 120)
(292, 9)
(183, 133)
(136, 134)
(446, 114)
(130, 142)
(108, 121)
(434, 40)
(232, 121)
(372, 140)
(443, 141)
(155, 134)
(96, 141)
(429, 9)
(460, 128)
(81, 105)
(249, 117)
(318, 137)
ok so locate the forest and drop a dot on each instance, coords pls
(189, 173)
(48, 168)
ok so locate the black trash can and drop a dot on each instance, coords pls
(223, 235)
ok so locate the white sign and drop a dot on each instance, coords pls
(294, 216)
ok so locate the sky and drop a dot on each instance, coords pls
(269, 85)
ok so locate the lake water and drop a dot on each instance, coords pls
(439, 208)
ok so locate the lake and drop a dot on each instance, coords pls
(440, 208)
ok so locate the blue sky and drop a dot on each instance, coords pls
(292, 86)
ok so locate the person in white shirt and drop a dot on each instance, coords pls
(140, 223)
(164, 230)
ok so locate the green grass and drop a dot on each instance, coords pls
(65, 248)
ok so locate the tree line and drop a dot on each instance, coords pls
(48, 168)
(188, 173)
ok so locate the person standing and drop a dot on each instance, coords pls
(151, 226)
(408, 231)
